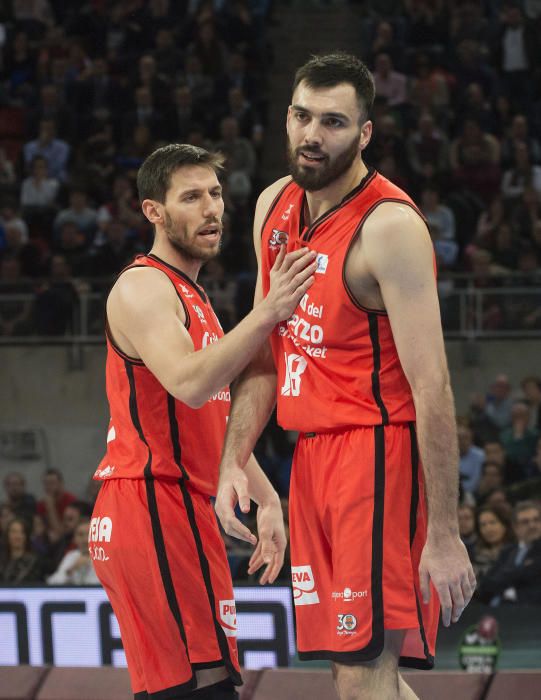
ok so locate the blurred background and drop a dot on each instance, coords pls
(89, 89)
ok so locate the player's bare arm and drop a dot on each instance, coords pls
(397, 253)
(253, 398)
(147, 321)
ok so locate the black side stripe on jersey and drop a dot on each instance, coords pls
(414, 449)
(376, 355)
(375, 646)
(205, 571)
(175, 438)
(159, 543)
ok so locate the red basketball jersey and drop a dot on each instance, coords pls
(337, 361)
(151, 433)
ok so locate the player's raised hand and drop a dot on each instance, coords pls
(290, 277)
(272, 543)
(233, 489)
(446, 564)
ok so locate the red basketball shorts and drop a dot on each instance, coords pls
(358, 526)
(159, 555)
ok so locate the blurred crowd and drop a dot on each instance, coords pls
(89, 89)
(500, 490)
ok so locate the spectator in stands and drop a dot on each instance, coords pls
(55, 499)
(28, 255)
(55, 151)
(22, 504)
(494, 531)
(531, 388)
(471, 459)
(519, 440)
(492, 478)
(527, 214)
(428, 150)
(495, 453)
(250, 126)
(149, 77)
(18, 564)
(490, 220)
(41, 543)
(428, 90)
(185, 115)
(499, 498)
(522, 174)
(50, 107)
(79, 213)
(390, 83)
(15, 313)
(515, 577)
(118, 250)
(466, 526)
(519, 132)
(239, 152)
(518, 55)
(474, 156)
(533, 469)
(56, 300)
(200, 84)
(441, 224)
(505, 245)
(167, 55)
(209, 49)
(7, 171)
(6, 516)
(145, 113)
(39, 189)
(385, 41)
(387, 140)
(61, 535)
(123, 207)
(76, 567)
(498, 403)
(71, 244)
(476, 106)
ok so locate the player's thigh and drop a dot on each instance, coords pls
(372, 680)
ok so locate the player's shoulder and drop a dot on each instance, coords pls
(139, 285)
(269, 194)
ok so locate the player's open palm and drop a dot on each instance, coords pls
(290, 277)
(445, 564)
(272, 542)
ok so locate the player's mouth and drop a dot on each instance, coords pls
(311, 158)
(211, 232)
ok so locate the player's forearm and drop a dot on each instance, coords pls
(436, 434)
(253, 398)
(259, 487)
(205, 372)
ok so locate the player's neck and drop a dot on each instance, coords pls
(166, 252)
(321, 201)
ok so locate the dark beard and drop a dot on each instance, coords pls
(313, 180)
(190, 250)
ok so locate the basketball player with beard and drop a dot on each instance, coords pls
(154, 537)
(359, 371)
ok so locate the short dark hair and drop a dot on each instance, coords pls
(154, 176)
(335, 68)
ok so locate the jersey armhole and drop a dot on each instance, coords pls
(108, 333)
(357, 233)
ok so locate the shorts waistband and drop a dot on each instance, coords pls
(350, 428)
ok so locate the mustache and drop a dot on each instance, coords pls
(310, 149)
(211, 222)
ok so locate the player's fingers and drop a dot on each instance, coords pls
(301, 291)
(241, 489)
(446, 603)
(308, 261)
(457, 596)
(256, 560)
(279, 258)
(276, 566)
(424, 582)
(236, 529)
(297, 255)
(467, 590)
(471, 577)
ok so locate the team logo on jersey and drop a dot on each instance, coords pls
(346, 624)
(278, 238)
(186, 291)
(322, 262)
(285, 215)
(199, 312)
(304, 587)
(99, 533)
(228, 617)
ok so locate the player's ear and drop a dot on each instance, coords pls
(152, 210)
(366, 135)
